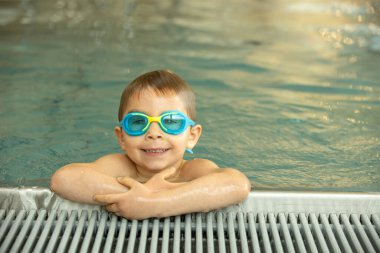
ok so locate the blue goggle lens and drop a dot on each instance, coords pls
(136, 123)
(173, 122)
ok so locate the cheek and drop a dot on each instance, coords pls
(180, 140)
(131, 142)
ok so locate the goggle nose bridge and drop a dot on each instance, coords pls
(154, 119)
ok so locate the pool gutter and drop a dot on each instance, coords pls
(34, 219)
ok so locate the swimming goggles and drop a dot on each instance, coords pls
(171, 122)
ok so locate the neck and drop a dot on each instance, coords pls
(144, 174)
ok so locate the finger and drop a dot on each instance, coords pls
(169, 172)
(165, 174)
(159, 180)
(127, 181)
(107, 198)
(112, 208)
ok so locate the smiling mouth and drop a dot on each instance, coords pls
(155, 150)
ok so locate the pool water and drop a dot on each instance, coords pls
(287, 91)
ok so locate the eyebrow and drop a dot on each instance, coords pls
(134, 110)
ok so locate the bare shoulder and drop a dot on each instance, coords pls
(112, 158)
(197, 168)
(114, 165)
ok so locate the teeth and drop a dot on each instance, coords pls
(155, 150)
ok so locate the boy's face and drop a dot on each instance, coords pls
(156, 150)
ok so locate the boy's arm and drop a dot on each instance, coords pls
(215, 189)
(81, 181)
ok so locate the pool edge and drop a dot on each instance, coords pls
(33, 198)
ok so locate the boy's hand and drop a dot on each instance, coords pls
(158, 182)
(138, 201)
(134, 204)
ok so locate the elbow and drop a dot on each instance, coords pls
(59, 179)
(245, 188)
(56, 180)
(241, 182)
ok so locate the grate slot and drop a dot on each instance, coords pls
(264, 232)
(329, 234)
(177, 231)
(165, 235)
(45, 232)
(297, 234)
(221, 239)
(199, 236)
(242, 233)
(121, 236)
(307, 232)
(317, 230)
(231, 233)
(13, 230)
(376, 220)
(253, 232)
(132, 237)
(210, 233)
(275, 234)
(342, 238)
(99, 234)
(78, 232)
(37, 227)
(4, 227)
(188, 233)
(67, 233)
(22, 235)
(372, 233)
(155, 233)
(110, 235)
(362, 235)
(57, 229)
(89, 233)
(143, 236)
(353, 238)
(286, 233)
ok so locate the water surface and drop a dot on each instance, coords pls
(287, 91)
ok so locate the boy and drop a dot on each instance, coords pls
(151, 179)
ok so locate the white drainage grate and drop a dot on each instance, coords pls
(98, 231)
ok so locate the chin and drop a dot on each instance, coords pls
(156, 167)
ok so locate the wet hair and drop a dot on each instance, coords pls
(163, 83)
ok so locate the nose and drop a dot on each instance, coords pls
(154, 131)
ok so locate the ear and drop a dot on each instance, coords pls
(195, 134)
(120, 137)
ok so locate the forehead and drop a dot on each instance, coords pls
(153, 103)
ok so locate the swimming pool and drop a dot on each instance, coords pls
(288, 92)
